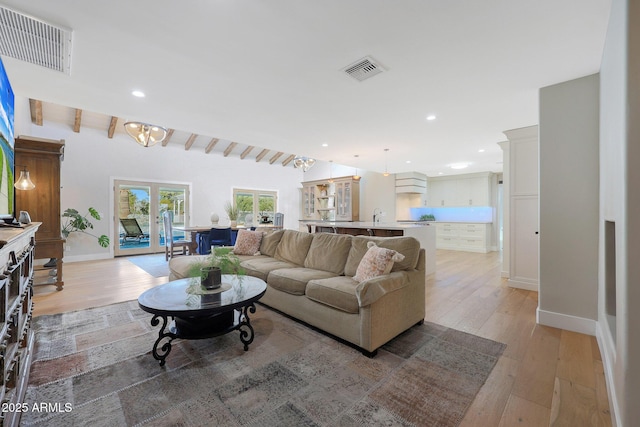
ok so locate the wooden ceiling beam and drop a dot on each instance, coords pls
(212, 144)
(286, 161)
(275, 157)
(261, 155)
(112, 127)
(246, 152)
(230, 148)
(190, 141)
(77, 120)
(169, 135)
(36, 111)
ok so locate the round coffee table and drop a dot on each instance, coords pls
(198, 314)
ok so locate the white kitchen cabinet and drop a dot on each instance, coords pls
(462, 236)
(460, 190)
(308, 201)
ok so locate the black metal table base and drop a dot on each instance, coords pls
(199, 327)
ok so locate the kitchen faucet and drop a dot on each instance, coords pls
(376, 215)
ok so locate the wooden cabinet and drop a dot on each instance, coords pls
(462, 236)
(16, 310)
(460, 190)
(347, 193)
(337, 199)
(42, 158)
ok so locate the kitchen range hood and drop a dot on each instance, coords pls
(411, 183)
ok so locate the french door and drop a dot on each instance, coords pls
(138, 215)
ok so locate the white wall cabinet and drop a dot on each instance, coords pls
(462, 236)
(460, 190)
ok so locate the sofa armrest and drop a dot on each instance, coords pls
(369, 291)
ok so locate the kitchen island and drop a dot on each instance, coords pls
(424, 232)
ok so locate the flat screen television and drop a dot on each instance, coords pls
(7, 165)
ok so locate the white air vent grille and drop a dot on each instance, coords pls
(363, 69)
(34, 41)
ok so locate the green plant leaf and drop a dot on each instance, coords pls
(94, 213)
(103, 241)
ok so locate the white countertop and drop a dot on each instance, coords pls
(370, 224)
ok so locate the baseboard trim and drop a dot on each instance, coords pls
(566, 321)
(523, 285)
(91, 257)
(608, 354)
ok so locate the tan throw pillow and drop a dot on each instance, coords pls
(247, 242)
(376, 262)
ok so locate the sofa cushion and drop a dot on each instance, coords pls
(179, 266)
(270, 242)
(261, 266)
(328, 252)
(247, 242)
(294, 280)
(293, 247)
(376, 262)
(337, 292)
(407, 246)
(372, 290)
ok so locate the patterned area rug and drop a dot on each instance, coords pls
(94, 367)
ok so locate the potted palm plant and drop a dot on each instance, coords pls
(209, 270)
(232, 212)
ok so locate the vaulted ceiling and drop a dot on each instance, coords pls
(270, 74)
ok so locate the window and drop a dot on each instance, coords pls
(255, 207)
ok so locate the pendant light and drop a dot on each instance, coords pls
(330, 171)
(386, 161)
(24, 182)
(356, 177)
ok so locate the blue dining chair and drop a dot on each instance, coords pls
(215, 237)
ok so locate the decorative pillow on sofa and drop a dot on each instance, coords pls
(376, 262)
(247, 242)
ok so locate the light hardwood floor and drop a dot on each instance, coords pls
(546, 376)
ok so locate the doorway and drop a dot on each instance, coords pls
(138, 215)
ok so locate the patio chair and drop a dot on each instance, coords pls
(170, 245)
(132, 230)
(215, 237)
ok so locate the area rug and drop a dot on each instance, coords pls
(154, 264)
(95, 368)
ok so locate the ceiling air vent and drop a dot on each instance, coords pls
(363, 69)
(34, 41)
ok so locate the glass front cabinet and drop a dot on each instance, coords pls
(336, 199)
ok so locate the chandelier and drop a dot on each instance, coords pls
(304, 163)
(145, 134)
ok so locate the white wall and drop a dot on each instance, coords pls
(569, 181)
(619, 184)
(92, 160)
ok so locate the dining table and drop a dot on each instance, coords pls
(194, 230)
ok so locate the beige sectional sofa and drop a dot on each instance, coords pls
(310, 278)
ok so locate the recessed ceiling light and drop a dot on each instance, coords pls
(138, 93)
(482, 150)
(325, 145)
(431, 117)
(408, 161)
(458, 165)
